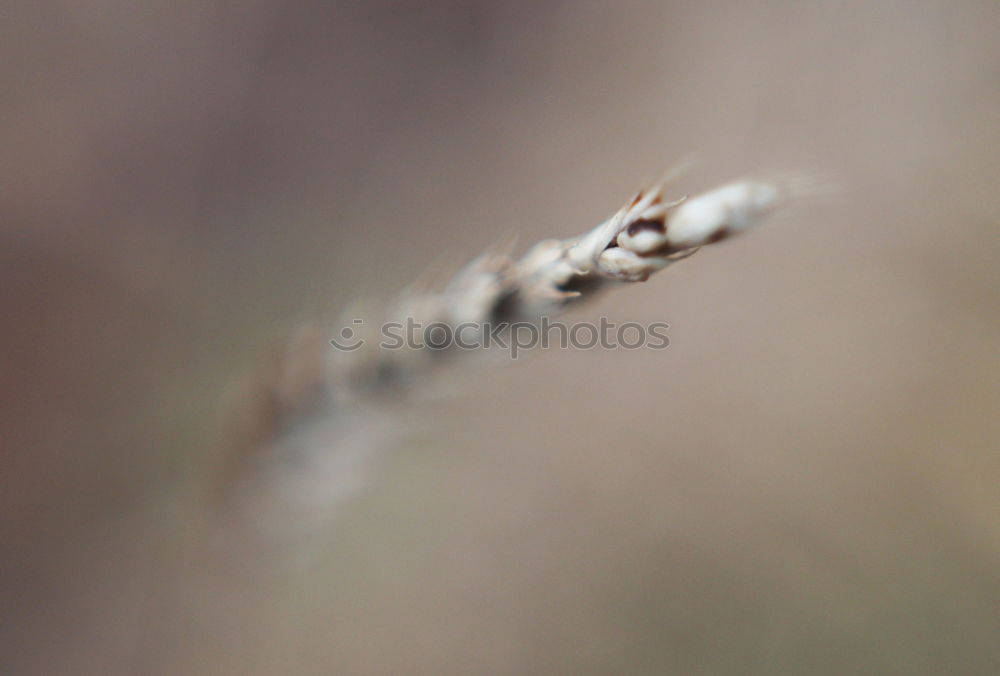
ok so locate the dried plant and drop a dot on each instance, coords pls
(314, 421)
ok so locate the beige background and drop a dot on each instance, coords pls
(805, 482)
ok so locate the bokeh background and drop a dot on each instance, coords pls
(806, 481)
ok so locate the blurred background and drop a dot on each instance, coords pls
(806, 481)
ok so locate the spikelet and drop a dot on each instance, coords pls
(648, 234)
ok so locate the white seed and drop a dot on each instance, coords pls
(712, 215)
(643, 240)
(626, 266)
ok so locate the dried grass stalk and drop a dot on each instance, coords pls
(320, 404)
(648, 234)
